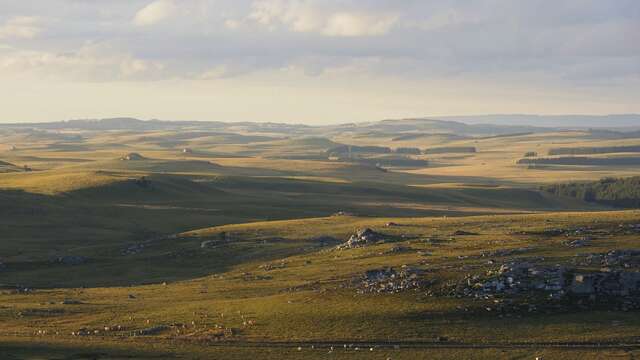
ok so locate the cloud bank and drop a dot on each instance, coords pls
(583, 51)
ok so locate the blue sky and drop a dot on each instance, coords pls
(316, 61)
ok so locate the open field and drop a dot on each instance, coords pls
(121, 238)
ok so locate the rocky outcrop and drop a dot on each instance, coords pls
(388, 280)
(523, 279)
(620, 258)
(362, 237)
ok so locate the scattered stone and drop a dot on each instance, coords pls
(388, 280)
(342, 213)
(398, 249)
(582, 242)
(273, 266)
(622, 258)
(504, 252)
(617, 283)
(522, 280)
(72, 260)
(151, 331)
(133, 249)
(70, 302)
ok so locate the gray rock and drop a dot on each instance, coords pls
(151, 331)
(362, 237)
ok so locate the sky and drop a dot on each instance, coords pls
(316, 62)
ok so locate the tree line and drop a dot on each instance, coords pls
(619, 192)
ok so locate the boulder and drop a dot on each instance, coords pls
(362, 237)
(209, 244)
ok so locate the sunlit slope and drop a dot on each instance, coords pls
(291, 287)
(101, 221)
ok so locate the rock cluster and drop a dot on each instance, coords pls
(623, 258)
(613, 283)
(71, 260)
(151, 331)
(388, 280)
(362, 237)
(133, 249)
(579, 231)
(514, 278)
(555, 283)
(583, 241)
(398, 249)
(504, 252)
(273, 266)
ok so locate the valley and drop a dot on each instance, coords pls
(158, 239)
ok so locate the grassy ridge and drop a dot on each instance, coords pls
(306, 296)
(118, 210)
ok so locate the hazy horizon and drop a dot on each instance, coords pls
(535, 120)
(316, 62)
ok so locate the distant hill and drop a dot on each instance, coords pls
(8, 167)
(398, 129)
(573, 121)
(420, 126)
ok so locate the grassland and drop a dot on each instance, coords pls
(214, 237)
(306, 299)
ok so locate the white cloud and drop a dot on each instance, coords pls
(349, 24)
(155, 12)
(232, 24)
(90, 63)
(306, 16)
(21, 27)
